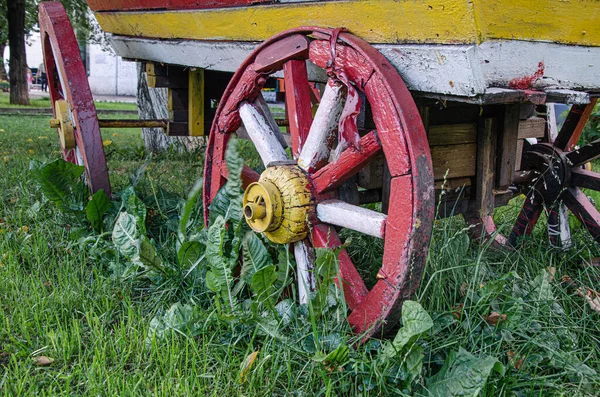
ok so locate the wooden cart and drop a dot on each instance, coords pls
(476, 125)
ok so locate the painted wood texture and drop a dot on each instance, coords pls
(453, 70)
(383, 21)
(131, 5)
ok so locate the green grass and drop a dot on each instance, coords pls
(44, 102)
(61, 301)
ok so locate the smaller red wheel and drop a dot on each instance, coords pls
(552, 176)
(74, 110)
(556, 175)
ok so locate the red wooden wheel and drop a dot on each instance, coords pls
(556, 176)
(552, 177)
(352, 65)
(67, 81)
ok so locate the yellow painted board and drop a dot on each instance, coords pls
(196, 102)
(381, 21)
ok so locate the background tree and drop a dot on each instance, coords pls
(18, 19)
(19, 89)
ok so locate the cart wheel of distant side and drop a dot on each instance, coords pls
(553, 173)
(296, 200)
(556, 173)
(74, 111)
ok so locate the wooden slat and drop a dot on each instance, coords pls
(486, 162)
(533, 127)
(507, 152)
(452, 134)
(459, 160)
(452, 184)
(196, 102)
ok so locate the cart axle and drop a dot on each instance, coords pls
(108, 123)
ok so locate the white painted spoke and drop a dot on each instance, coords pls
(340, 213)
(321, 134)
(262, 133)
(305, 265)
(266, 112)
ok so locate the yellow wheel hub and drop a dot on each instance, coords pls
(279, 204)
(63, 122)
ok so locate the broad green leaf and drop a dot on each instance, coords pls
(326, 266)
(57, 180)
(414, 363)
(134, 206)
(189, 253)
(263, 280)
(463, 375)
(215, 241)
(254, 254)
(178, 319)
(147, 256)
(233, 187)
(96, 208)
(415, 321)
(213, 282)
(337, 357)
(125, 235)
(218, 207)
(188, 208)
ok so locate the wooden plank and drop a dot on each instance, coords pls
(486, 162)
(533, 127)
(196, 102)
(383, 21)
(458, 160)
(452, 134)
(507, 152)
(452, 184)
(371, 176)
(297, 103)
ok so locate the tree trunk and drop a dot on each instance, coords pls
(19, 87)
(3, 75)
(152, 104)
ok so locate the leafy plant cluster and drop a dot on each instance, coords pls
(229, 278)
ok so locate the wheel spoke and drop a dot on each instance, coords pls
(248, 175)
(321, 136)
(324, 236)
(585, 154)
(573, 126)
(584, 210)
(559, 232)
(305, 262)
(484, 229)
(350, 162)
(263, 131)
(297, 103)
(585, 179)
(340, 213)
(532, 207)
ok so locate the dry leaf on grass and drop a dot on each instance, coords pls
(43, 361)
(515, 360)
(494, 318)
(552, 271)
(246, 365)
(591, 297)
(457, 311)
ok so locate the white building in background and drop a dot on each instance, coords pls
(108, 74)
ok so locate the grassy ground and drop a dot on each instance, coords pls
(61, 301)
(44, 102)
